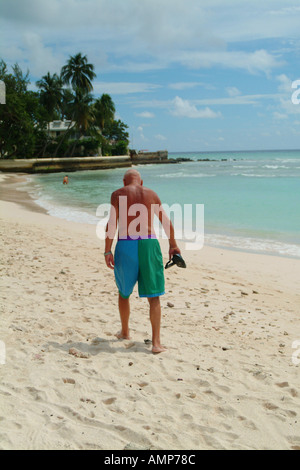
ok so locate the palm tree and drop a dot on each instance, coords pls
(67, 111)
(68, 98)
(51, 94)
(79, 73)
(51, 98)
(104, 109)
(82, 114)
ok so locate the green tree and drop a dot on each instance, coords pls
(79, 73)
(116, 131)
(83, 116)
(51, 99)
(104, 110)
(22, 118)
(51, 94)
(68, 98)
(116, 138)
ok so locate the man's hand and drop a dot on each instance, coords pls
(174, 251)
(109, 259)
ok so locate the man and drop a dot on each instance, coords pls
(138, 256)
(66, 180)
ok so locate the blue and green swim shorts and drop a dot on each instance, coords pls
(139, 260)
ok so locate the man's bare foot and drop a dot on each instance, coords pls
(121, 335)
(158, 349)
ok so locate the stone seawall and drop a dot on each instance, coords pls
(149, 157)
(52, 165)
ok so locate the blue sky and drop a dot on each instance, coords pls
(185, 75)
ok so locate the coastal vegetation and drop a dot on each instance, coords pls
(27, 118)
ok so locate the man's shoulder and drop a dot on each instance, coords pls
(152, 194)
(115, 195)
(127, 191)
(118, 191)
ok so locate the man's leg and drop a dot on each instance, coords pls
(124, 309)
(155, 317)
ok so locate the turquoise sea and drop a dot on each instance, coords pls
(251, 199)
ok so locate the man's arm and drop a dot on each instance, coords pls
(111, 229)
(168, 227)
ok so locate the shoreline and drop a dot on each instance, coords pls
(229, 322)
(10, 193)
(22, 202)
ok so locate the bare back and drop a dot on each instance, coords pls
(135, 206)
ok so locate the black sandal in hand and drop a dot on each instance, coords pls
(178, 260)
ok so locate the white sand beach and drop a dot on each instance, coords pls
(229, 321)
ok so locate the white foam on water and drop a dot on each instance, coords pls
(255, 245)
(185, 175)
(68, 213)
(275, 166)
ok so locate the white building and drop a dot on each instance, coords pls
(56, 128)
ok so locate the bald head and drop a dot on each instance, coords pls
(132, 177)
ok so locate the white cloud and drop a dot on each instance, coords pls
(41, 58)
(189, 85)
(278, 115)
(285, 83)
(183, 85)
(30, 52)
(161, 138)
(171, 22)
(123, 88)
(183, 108)
(253, 62)
(179, 105)
(233, 91)
(141, 135)
(146, 115)
(286, 11)
(245, 21)
(150, 35)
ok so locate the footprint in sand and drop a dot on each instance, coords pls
(247, 423)
(270, 407)
(88, 400)
(109, 401)
(143, 384)
(295, 442)
(282, 384)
